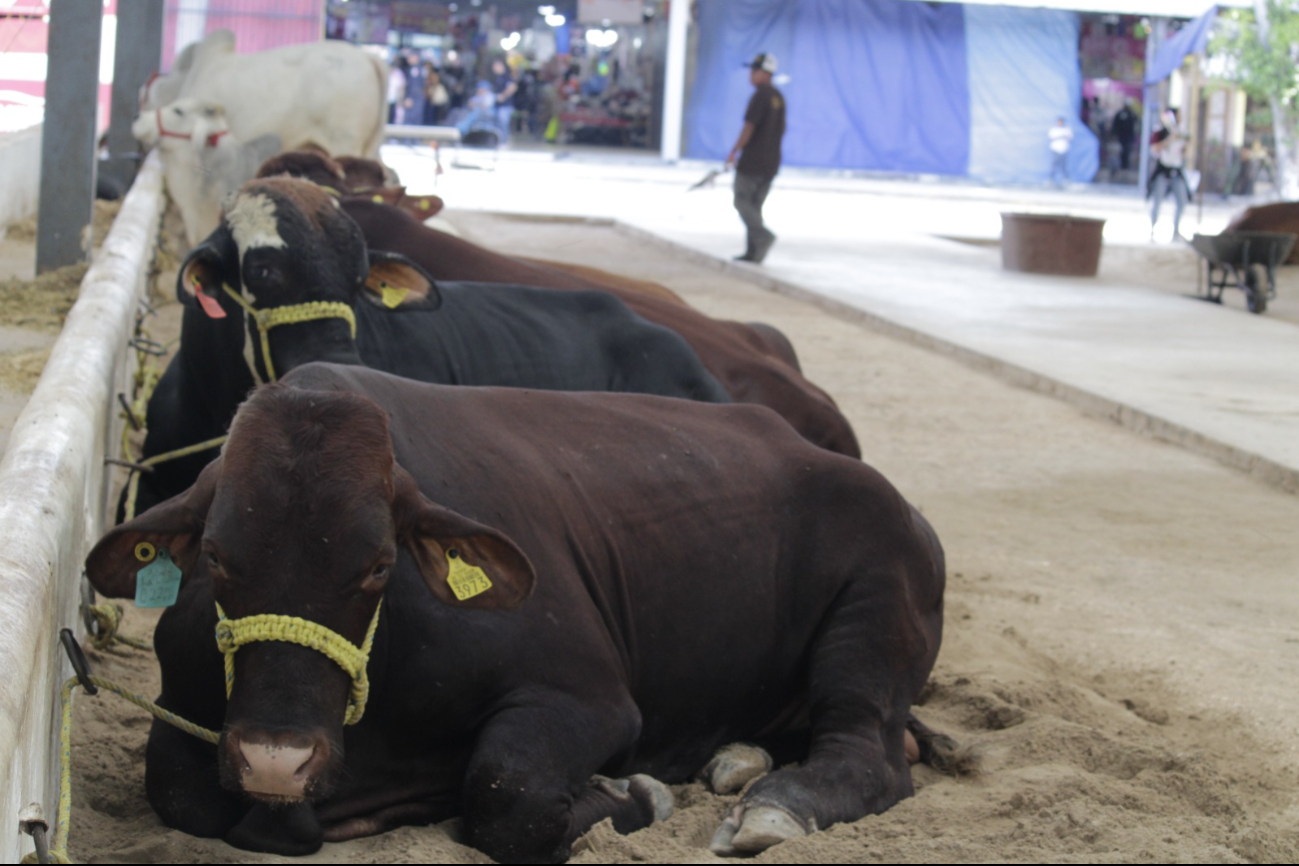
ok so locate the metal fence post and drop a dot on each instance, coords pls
(68, 138)
(138, 55)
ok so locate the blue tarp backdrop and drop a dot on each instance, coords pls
(896, 85)
(1024, 74)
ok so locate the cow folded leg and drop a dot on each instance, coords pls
(183, 786)
(529, 790)
(290, 829)
(869, 662)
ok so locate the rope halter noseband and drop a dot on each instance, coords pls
(290, 314)
(164, 132)
(231, 634)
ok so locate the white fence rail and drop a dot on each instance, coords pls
(53, 485)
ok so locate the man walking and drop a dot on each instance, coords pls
(759, 156)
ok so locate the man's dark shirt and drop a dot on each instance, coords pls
(766, 111)
(1124, 125)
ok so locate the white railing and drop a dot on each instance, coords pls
(53, 489)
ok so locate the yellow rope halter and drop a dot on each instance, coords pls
(291, 314)
(231, 634)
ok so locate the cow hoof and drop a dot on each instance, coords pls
(754, 829)
(735, 766)
(647, 789)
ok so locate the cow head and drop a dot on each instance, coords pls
(365, 174)
(350, 176)
(284, 248)
(306, 514)
(186, 119)
(318, 168)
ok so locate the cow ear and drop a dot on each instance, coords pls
(421, 206)
(175, 526)
(464, 563)
(386, 194)
(397, 283)
(201, 277)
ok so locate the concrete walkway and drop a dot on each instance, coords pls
(1217, 380)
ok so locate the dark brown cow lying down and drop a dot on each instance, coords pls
(750, 365)
(739, 357)
(564, 585)
(1282, 216)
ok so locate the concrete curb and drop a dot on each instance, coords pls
(1138, 420)
(53, 485)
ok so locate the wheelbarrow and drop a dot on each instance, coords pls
(1243, 260)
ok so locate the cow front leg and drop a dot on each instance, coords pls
(529, 791)
(183, 786)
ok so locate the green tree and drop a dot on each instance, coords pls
(1264, 45)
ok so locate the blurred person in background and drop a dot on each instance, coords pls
(504, 87)
(436, 98)
(414, 101)
(1168, 147)
(1059, 138)
(397, 90)
(1124, 129)
(758, 148)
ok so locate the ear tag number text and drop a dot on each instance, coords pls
(465, 580)
(158, 583)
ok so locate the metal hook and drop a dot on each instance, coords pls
(78, 659)
(32, 822)
(126, 407)
(149, 347)
(87, 602)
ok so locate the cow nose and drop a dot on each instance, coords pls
(273, 767)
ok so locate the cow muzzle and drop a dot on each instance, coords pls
(278, 767)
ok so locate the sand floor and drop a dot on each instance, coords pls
(1122, 632)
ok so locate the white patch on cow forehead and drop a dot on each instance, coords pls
(252, 222)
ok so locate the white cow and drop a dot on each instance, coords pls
(202, 161)
(330, 94)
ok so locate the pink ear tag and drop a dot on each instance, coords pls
(209, 303)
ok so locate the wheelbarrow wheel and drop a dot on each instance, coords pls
(1255, 292)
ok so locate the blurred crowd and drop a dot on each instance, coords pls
(586, 99)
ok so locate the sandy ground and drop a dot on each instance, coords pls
(1121, 630)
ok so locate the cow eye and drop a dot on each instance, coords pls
(212, 561)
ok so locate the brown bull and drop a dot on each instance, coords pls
(439, 601)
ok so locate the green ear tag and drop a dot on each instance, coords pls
(158, 583)
(465, 580)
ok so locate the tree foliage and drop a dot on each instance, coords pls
(1265, 72)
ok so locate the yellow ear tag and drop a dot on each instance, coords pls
(392, 298)
(423, 204)
(465, 580)
(378, 199)
(145, 552)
